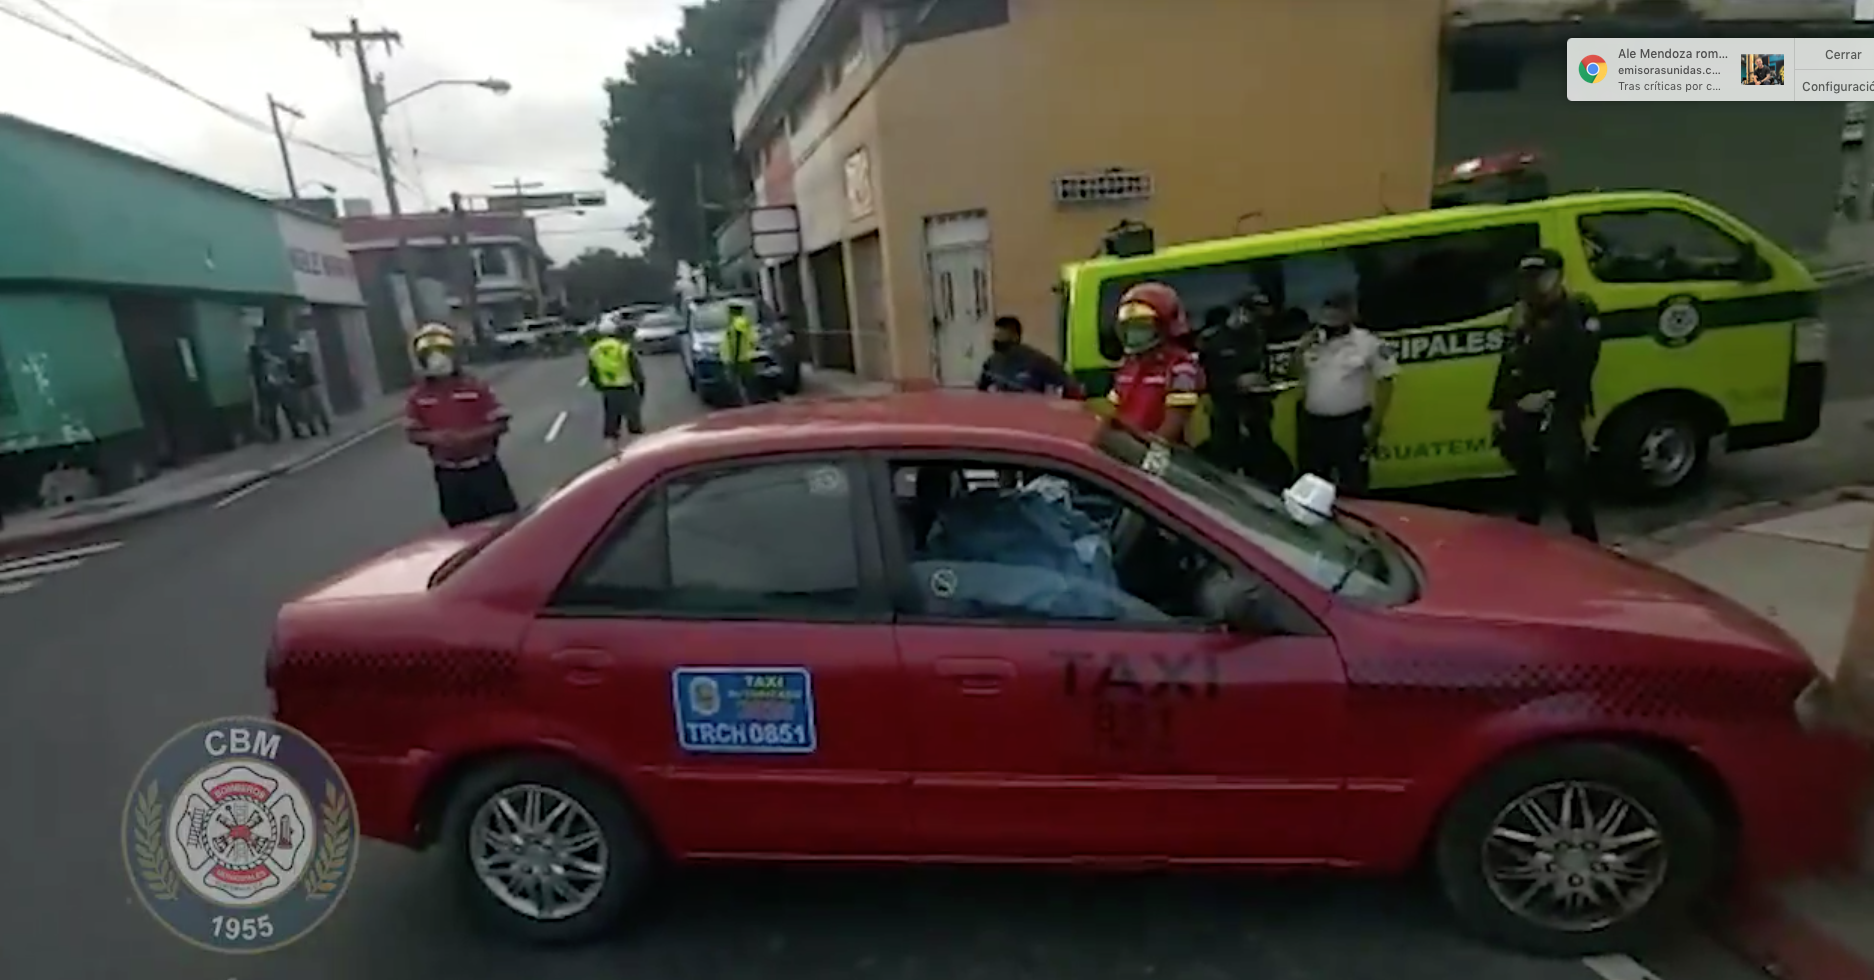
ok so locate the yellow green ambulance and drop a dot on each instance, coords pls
(1712, 339)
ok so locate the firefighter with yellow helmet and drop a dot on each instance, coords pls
(457, 418)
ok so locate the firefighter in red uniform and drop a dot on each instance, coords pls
(1159, 384)
(458, 419)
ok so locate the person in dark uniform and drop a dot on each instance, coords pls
(1016, 367)
(1233, 349)
(1544, 393)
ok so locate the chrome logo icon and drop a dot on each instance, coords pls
(1593, 68)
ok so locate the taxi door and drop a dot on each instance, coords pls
(1112, 740)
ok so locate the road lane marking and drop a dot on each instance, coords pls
(43, 568)
(253, 487)
(583, 381)
(1616, 966)
(49, 557)
(559, 422)
(15, 588)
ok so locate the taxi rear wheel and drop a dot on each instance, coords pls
(1576, 849)
(545, 851)
(1656, 449)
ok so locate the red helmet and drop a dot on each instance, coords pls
(1161, 303)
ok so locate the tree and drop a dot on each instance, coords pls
(668, 136)
(601, 279)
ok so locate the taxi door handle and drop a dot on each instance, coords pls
(582, 667)
(975, 675)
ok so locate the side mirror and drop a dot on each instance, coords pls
(1752, 267)
(1246, 613)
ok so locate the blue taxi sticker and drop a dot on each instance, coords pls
(744, 710)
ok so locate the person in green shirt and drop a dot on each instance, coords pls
(613, 370)
(739, 347)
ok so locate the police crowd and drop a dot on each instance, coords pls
(1213, 386)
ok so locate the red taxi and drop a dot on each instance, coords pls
(962, 627)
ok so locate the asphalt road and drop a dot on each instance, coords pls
(114, 650)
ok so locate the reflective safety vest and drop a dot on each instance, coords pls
(611, 363)
(738, 346)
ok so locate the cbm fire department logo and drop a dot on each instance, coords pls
(240, 835)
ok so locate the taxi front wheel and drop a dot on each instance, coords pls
(1576, 849)
(545, 851)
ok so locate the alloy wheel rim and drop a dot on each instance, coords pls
(1666, 455)
(539, 852)
(1574, 856)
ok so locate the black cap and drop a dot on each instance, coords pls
(1541, 260)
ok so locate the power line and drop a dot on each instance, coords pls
(97, 45)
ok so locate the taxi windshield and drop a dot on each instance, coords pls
(1340, 554)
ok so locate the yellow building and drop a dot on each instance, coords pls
(946, 156)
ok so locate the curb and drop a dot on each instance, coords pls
(132, 514)
(1669, 541)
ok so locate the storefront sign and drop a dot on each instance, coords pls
(322, 268)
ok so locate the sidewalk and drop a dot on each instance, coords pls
(205, 480)
(1799, 568)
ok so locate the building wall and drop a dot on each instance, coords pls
(62, 373)
(985, 119)
(78, 211)
(1777, 166)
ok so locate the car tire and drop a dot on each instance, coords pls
(1655, 450)
(1470, 841)
(624, 853)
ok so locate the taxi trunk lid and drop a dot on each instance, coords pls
(411, 568)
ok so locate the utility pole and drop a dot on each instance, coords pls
(274, 109)
(706, 247)
(375, 108)
(471, 276)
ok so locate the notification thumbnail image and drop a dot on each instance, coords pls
(1593, 68)
(1761, 69)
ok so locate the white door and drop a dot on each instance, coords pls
(961, 300)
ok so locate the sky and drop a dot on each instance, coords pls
(556, 55)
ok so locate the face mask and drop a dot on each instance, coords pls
(1001, 345)
(1138, 337)
(438, 364)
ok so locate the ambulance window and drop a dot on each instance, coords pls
(1201, 288)
(1660, 246)
(1427, 281)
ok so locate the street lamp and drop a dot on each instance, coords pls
(496, 85)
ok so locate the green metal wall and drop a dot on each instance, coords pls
(72, 210)
(221, 352)
(64, 378)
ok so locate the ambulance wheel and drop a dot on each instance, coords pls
(1656, 449)
(545, 851)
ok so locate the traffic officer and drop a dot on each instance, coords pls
(613, 370)
(739, 347)
(1544, 394)
(458, 419)
(1347, 377)
(1160, 383)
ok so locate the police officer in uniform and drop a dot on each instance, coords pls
(1347, 377)
(613, 370)
(1233, 349)
(740, 345)
(1544, 393)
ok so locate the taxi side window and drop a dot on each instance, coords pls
(1660, 246)
(993, 543)
(778, 541)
